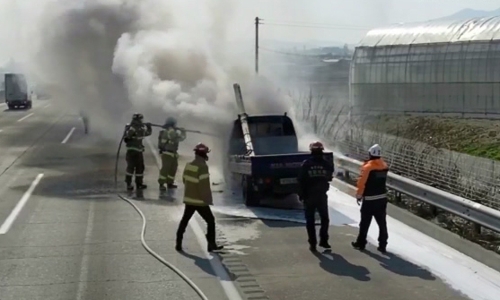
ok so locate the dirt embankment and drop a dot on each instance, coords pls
(471, 136)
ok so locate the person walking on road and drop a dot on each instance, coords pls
(371, 195)
(168, 145)
(198, 197)
(135, 132)
(314, 177)
(85, 119)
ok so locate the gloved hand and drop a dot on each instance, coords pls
(148, 125)
(359, 199)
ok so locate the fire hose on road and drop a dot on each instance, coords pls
(144, 223)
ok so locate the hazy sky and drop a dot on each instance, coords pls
(358, 13)
(233, 20)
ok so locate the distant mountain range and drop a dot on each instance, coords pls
(469, 13)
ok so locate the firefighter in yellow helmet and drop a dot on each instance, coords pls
(135, 132)
(168, 144)
(198, 197)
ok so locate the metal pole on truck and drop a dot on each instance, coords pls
(257, 22)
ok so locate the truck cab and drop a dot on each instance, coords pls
(16, 91)
(271, 135)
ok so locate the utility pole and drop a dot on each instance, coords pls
(257, 22)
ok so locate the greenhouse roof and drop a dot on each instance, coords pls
(476, 29)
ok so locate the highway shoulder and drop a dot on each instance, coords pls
(434, 231)
(281, 264)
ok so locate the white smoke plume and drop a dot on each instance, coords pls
(116, 57)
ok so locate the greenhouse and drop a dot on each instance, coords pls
(445, 67)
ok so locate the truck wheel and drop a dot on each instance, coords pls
(249, 195)
(11, 106)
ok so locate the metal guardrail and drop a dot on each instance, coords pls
(464, 208)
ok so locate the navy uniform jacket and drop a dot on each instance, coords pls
(314, 177)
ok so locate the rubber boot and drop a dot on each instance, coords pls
(178, 245)
(141, 186)
(128, 182)
(325, 245)
(162, 187)
(171, 186)
(214, 247)
(357, 246)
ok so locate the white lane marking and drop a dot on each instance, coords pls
(1, 130)
(46, 105)
(225, 280)
(25, 117)
(227, 285)
(15, 212)
(84, 264)
(68, 136)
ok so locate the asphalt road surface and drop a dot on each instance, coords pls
(64, 234)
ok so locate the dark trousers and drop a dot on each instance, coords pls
(135, 166)
(378, 210)
(85, 124)
(312, 205)
(206, 213)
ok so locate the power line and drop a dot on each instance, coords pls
(312, 26)
(315, 25)
(311, 23)
(289, 53)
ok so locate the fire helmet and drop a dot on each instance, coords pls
(316, 146)
(375, 151)
(201, 148)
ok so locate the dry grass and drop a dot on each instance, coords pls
(471, 136)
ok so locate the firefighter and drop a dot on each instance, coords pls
(314, 177)
(371, 195)
(198, 197)
(168, 144)
(135, 132)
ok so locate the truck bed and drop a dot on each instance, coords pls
(269, 174)
(275, 166)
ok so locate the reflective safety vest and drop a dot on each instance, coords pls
(372, 182)
(134, 136)
(168, 139)
(197, 183)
